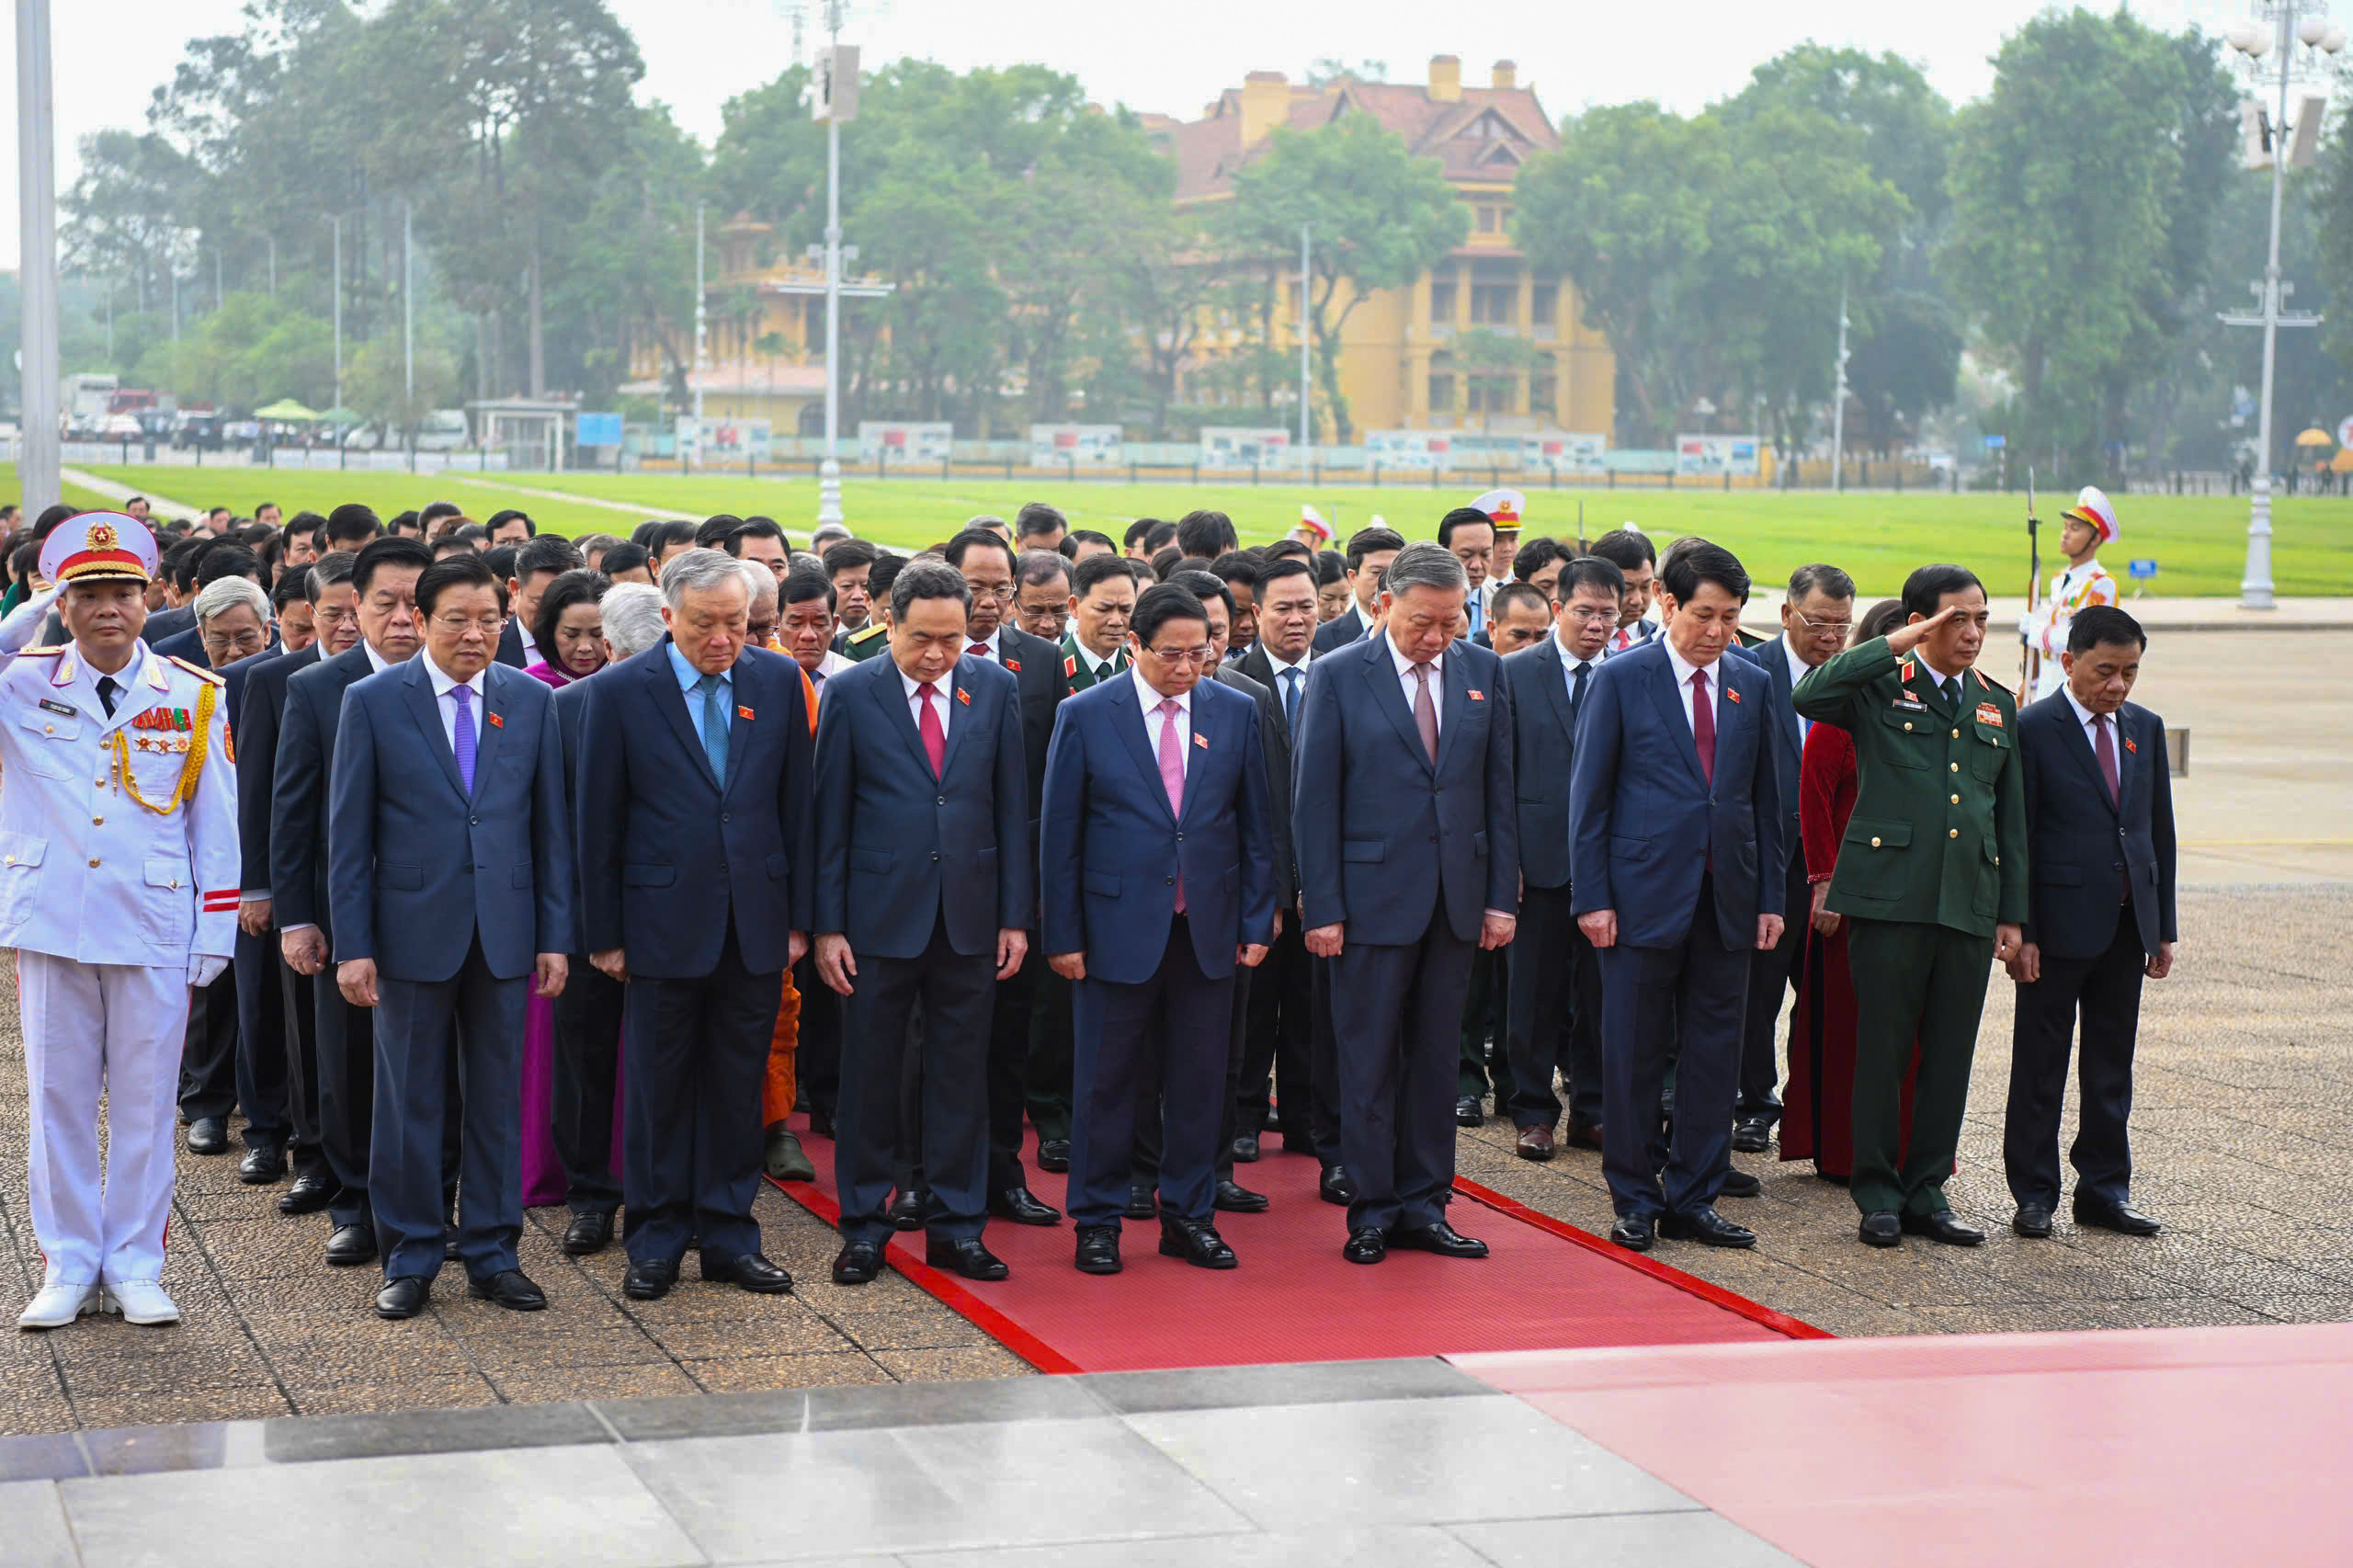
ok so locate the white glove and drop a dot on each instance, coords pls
(203, 969)
(24, 623)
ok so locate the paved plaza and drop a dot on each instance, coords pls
(2240, 1126)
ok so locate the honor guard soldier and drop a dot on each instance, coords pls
(118, 883)
(2085, 527)
(1932, 878)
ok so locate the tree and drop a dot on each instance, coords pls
(375, 384)
(1380, 217)
(1491, 364)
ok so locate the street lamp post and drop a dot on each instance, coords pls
(37, 473)
(2283, 24)
(836, 100)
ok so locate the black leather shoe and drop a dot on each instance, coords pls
(1336, 1186)
(1582, 1134)
(1098, 1249)
(1441, 1238)
(404, 1298)
(1141, 1204)
(1941, 1226)
(1751, 1134)
(1706, 1226)
(749, 1272)
(1236, 1199)
(649, 1281)
(1635, 1233)
(2031, 1219)
(1738, 1183)
(2119, 1217)
(1469, 1112)
(263, 1164)
(910, 1210)
(1054, 1154)
(511, 1289)
(965, 1255)
(1195, 1243)
(208, 1135)
(591, 1232)
(1880, 1228)
(310, 1191)
(1367, 1245)
(857, 1264)
(1245, 1149)
(351, 1245)
(821, 1122)
(783, 1158)
(1017, 1204)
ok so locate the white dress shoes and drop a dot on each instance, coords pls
(139, 1301)
(55, 1306)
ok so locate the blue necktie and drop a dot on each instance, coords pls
(1291, 701)
(462, 741)
(714, 727)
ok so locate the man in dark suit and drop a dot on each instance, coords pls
(2100, 920)
(1674, 863)
(1275, 1047)
(438, 928)
(924, 892)
(1816, 616)
(539, 560)
(1369, 553)
(696, 870)
(987, 563)
(1408, 863)
(1156, 870)
(1553, 1023)
(261, 1055)
(1630, 551)
(383, 577)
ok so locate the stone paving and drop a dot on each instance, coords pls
(2241, 1134)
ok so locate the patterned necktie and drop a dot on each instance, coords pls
(1172, 777)
(1426, 711)
(935, 736)
(1290, 699)
(2105, 747)
(106, 689)
(714, 727)
(464, 743)
(1703, 724)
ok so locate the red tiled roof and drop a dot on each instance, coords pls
(1209, 151)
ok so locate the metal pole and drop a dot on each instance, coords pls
(42, 451)
(702, 356)
(408, 314)
(1838, 408)
(829, 473)
(1305, 440)
(338, 221)
(2254, 588)
(175, 299)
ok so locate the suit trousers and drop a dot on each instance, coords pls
(261, 1041)
(1553, 1023)
(1487, 1030)
(1397, 1024)
(1783, 967)
(2106, 992)
(586, 1078)
(820, 1053)
(346, 1093)
(1165, 1039)
(1912, 980)
(1322, 1067)
(298, 1007)
(1654, 1000)
(949, 1071)
(1046, 1077)
(1008, 1063)
(694, 1054)
(420, 1025)
(1275, 1040)
(209, 1054)
(1146, 1173)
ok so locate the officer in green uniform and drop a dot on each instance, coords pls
(874, 637)
(1931, 877)
(867, 641)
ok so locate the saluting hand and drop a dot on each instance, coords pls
(1903, 638)
(355, 978)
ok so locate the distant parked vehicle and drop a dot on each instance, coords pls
(443, 430)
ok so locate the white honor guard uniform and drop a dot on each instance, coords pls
(2072, 591)
(119, 879)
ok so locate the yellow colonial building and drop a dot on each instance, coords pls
(1398, 371)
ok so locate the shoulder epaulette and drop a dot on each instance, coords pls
(1993, 685)
(197, 670)
(867, 633)
(43, 653)
(1070, 665)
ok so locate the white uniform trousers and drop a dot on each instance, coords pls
(94, 1028)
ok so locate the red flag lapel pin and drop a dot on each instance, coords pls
(2131, 747)
(1012, 664)
(745, 715)
(1730, 696)
(1476, 695)
(963, 697)
(496, 721)
(1201, 741)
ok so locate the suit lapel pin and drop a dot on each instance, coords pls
(496, 721)
(963, 697)
(745, 715)
(1012, 664)
(2131, 747)
(1201, 741)
(1476, 695)
(1730, 696)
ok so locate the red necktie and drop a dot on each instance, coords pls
(1703, 724)
(978, 650)
(2107, 749)
(935, 737)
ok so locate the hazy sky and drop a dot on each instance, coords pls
(108, 54)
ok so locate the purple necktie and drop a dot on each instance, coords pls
(1172, 776)
(463, 696)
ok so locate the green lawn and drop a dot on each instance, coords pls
(2199, 542)
(74, 495)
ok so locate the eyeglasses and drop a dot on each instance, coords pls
(1587, 615)
(1838, 628)
(456, 625)
(336, 616)
(1183, 655)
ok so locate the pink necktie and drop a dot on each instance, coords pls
(934, 738)
(1172, 777)
(2107, 749)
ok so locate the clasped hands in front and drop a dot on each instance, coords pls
(1600, 929)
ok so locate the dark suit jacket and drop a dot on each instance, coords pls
(1036, 665)
(1543, 750)
(298, 823)
(419, 867)
(165, 624)
(571, 706)
(668, 859)
(1383, 835)
(2082, 848)
(510, 645)
(257, 697)
(1339, 633)
(1274, 746)
(1645, 823)
(1113, 850)
(188, 644)
(1789, 748)
(898, 849)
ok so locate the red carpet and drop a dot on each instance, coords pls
(1546, 1286)
(2152, 1447)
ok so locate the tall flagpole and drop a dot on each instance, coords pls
(38, 466)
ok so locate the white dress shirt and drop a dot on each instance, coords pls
(1711, 690)
(943, 700)
(1569, 663)
(1798, 668)
(832, 664)
(443, 684)
(2090, 723)
(994, 643)
(1153, 719)
(530, 646)
(1938, 677)
(1412, 687)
